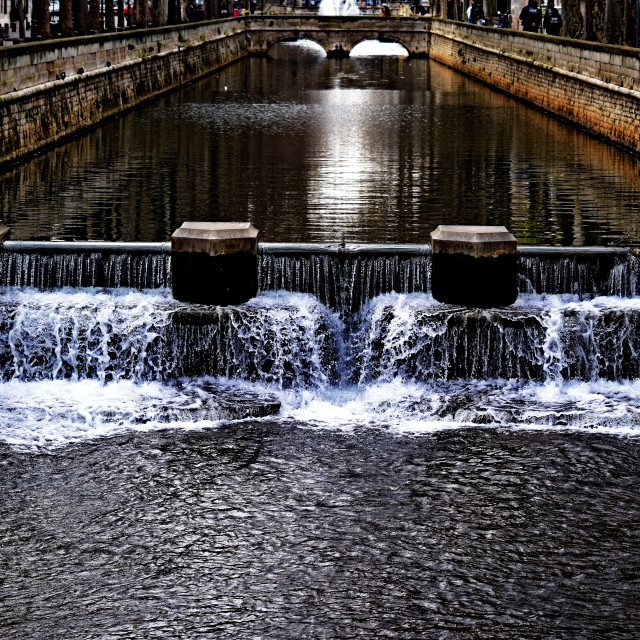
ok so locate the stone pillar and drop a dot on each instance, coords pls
(214, 262)
(474, 266)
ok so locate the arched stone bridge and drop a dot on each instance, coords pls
(337, 35)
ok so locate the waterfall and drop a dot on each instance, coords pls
(92, 343)
(46, 265)
(343, 278)
(544, 339)
(587, 273)
(288, 341)
(293, 341)
(83, 363)
(346, 279)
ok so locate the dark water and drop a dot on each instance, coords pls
(397, 493)
(268, 530)
(308, 149)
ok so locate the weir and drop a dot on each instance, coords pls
(369, 317)
(343, 277)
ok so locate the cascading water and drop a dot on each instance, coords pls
(359, 353)
(338, 8)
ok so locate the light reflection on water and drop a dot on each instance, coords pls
(382, 149)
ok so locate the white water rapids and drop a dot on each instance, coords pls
(84, 364)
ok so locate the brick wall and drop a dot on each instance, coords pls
(119, 71)
(594, 86)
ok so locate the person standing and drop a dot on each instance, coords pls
(477, 13)
(552, 22)
(531, 17)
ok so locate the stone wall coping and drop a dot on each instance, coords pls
(599, 47)
(28, 48)
(16, 96)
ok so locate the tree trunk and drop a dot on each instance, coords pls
(66, 18)
(629, 21)
(40, 18)
(80, 17)
(109, 16)
(570, 18)
(490, 10)
(172, 12)
(20, 19)
(140, 10)
(94, 16)
(207, 5)
(594, 20)
(159, 13)
(120, 14)
(613, 22)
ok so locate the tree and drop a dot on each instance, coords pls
(80, 17)
(17, 15)
(174, 12)
(490, 9)
(140, 10)
(159, 12)
(613, 27)
(40, 19)
(94, 16)
(120, 14)
(109, 16)
(594, 20)
(66, 18)
(571, 18)
(629, 22)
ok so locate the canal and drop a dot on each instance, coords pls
(285, 469)
(378, 149)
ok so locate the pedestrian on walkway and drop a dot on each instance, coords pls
(531, 17)
(552, 22)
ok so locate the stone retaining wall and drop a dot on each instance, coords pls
(594, 86)
(118, 71)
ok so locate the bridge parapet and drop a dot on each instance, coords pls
(338, 35)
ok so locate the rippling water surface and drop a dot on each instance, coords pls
(276, 530)
(413, 470)
(380, 149)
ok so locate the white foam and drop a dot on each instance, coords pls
(45, 413)
(53, 413)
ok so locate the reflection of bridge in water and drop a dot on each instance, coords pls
(338, 35)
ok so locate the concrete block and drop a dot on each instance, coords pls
(474, 266)
(215, 263)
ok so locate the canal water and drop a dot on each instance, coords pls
(309, 149)
(366, 465)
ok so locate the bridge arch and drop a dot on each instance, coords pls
(337, 35)
(386, 40)
(290, 39)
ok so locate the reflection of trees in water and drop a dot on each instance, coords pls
(380, 149)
